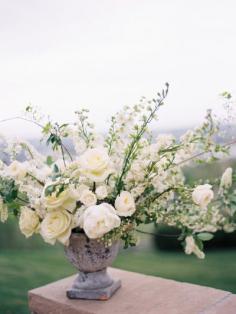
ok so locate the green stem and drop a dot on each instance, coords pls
(156, 234)
(37, 180)
(137, 138)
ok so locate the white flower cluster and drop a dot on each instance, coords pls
(107, 185)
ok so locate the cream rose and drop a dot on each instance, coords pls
(226, 179)
(29, 222)
(95, 164)
(57, 225)
(97, 220)
(191, 247)
(65, 200)
(101, 192)
(17, 169)
(203, 195)
(88, 198)
(124, 204)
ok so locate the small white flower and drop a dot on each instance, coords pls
(81, 188)
(203, 195)
(101, 192)
(57, 225)
(17, 169)
(159, 181)
(97, 220)
(38, 205)
(124, 204)
(226, 179)
(2, 165)
(28, 222)
(80, 145)
(138, 190)
(164, 141)
(3, 211)
(88, 198)
(191, 247)
(229, 228)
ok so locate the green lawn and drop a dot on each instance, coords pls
(22, 270)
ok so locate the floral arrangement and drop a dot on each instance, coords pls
(107, 185)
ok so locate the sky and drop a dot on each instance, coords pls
(62, 55)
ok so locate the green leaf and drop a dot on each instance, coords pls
(47, 128)
(56, 168)
(199, 243)
(49, 190)
(63, 125)
(205, 236)
(233, 198)
(60, 190)
(49, 160)
(28, 108)
(226, 95)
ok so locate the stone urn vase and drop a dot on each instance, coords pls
(91, 258)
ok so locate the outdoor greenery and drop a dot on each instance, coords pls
(46, 264)
(29, 264)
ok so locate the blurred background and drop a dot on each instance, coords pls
(63, 55)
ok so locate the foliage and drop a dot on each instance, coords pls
(107, 185)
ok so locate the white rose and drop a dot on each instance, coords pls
(57, 225)
(98, 220)
(28, 222)
(124, 204)
(88, 198)
(17, 169)
(65, 200)
(3, 211)
(203, 195)
(101, 192)
(226, 179)
(191, 247)
(95, 164)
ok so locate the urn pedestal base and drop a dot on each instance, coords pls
(93, 286)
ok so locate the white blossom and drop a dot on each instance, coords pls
(203, 195)
(97, 220)
(124, 204)
(191, 247)
(226, 179)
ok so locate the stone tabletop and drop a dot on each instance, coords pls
(140, 294)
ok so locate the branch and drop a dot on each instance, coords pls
(160, 235)
(159, 102)
(203, 153)
(63, 147)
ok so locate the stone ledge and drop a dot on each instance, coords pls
(226, 305)
(139, 294)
